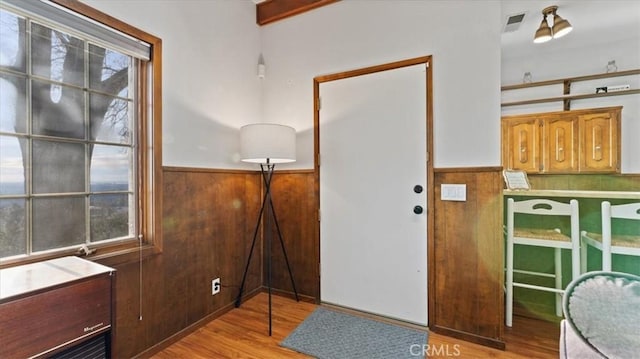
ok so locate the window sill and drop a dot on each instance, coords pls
(109, 256)
(125, 256)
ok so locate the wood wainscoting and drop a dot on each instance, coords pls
(466, 258)
(297, 210)
(209, 216)
(208, 220)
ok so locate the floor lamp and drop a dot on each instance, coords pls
(267, 144)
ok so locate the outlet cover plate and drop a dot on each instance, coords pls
(453, 192)
(215, 286)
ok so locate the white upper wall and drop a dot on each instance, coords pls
(210, 88)
(462, 36)
(211, 49)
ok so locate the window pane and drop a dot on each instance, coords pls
(12, 33)
(58, 222)
(12, 225)
(110, 120)
(110, 168)
(57, 110)
(57, 56)
(109, 216)
(13, 108)
(11, 166)
(58, 167)
(109, 71)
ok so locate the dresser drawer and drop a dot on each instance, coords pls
(54, 318)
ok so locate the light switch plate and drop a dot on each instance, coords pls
(453, 192)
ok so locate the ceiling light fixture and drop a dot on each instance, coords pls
(560, 27)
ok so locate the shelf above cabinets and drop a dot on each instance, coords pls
(567, 96)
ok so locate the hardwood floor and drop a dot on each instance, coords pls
(243, 333)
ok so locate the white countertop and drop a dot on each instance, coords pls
(35, 276)
(572, 193)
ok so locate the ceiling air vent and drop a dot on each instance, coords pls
(513, 22)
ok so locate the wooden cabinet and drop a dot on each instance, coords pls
(521, 142)
(599, 141)
(51, 306)
(579, 141)
(560, 144)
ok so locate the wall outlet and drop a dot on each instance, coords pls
(215, 286)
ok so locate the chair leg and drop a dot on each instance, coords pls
(575, 260)
(606, 236)
(606, 258)
(509, 283)
(583, 257)
(558, 272)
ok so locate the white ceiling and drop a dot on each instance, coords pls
(594, 21)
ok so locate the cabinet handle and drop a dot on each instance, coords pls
(92, 328)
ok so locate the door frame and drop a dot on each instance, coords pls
(428, 61)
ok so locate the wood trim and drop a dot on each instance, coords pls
(374, 69)
(94, 14)
(294, 171)
(467, 169)
(222, 170)
(431, 202)
(290, 295)
(207, 170)
(273, 10)
(493, 343)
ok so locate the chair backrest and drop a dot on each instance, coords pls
(624, 211)
(545, 207)
(628, 211)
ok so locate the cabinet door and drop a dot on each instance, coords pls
(55, 318)
(599, 146)
(521, 144)
(560, 149)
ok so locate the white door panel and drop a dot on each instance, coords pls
(373, 248)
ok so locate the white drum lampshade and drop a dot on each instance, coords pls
(267, 142)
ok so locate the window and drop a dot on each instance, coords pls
(79, 136)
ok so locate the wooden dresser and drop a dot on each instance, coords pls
(56, 306)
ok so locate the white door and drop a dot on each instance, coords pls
(373, 247)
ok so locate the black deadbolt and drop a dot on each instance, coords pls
(417, 188)
(417, 209)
